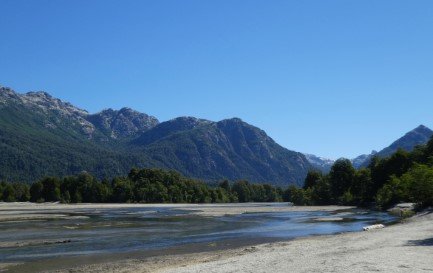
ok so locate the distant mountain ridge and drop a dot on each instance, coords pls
(122, 123)
(41, 135)
(363, 160)
(320, 163)
(418, 136)
(228, 148)
(42, 102)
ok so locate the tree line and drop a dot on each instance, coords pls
(402, 177)
(140, 186)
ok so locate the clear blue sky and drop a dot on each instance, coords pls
(333, 78)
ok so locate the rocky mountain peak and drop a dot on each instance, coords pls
(39, 94)
(54, 110)
(418, 136)
(423, 130)
(6, 91)
(234, 121)
(320, 163)
(46, 102)
(240, 126)
(127, 110)
(7, 94)
(189, 122)
(122, 123)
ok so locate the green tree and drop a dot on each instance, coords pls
(9, 193)
(298, 196)
(361, 187)
(271, 194)
(22, 192)
(312, 179)
(89, 188)
(66, 197)
(418, 182)
(242, 190)
(341, 177)
(220, 195)
(321, 192)
(427, 153)
(122, 190)
(395, 191)
(383, 168)
(2, 186)
(225, 185)
(50, 189)
(347, 198)
(36, 192)
(103, 192)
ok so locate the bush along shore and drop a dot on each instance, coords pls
(402, 177)
(140, 186)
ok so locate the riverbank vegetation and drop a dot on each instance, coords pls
(140, 186)
(402, 177)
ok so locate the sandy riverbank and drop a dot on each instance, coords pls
(406, 247)
(33, 211)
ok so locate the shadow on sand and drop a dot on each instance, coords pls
(424, 242)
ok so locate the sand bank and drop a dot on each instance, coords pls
(405, 247)
(46, 211)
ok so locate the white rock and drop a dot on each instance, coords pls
(379, 226)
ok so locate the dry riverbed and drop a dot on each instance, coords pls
(405, 247)
(33, 211)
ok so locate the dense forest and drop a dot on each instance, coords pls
(401, 177)
(140, 186)
(43, 136)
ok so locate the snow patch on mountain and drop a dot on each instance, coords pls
(320, 163)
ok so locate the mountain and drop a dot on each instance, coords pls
(41, 135)
(229, 149)
(361, 160)
(122, 123)
(320, 163)
(168, 128)
(51, 111)
(419, 135)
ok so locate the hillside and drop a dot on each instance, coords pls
(229, 149)
(418, 136)
(41, 135)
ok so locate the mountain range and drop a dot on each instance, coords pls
(418, 136)
(41, 135)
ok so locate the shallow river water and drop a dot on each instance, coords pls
(122, 230)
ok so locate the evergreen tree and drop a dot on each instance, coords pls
(312, 179)
(341, 177)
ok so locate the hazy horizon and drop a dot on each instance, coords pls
(334, 79)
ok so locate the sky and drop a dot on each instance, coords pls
(334, 78)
